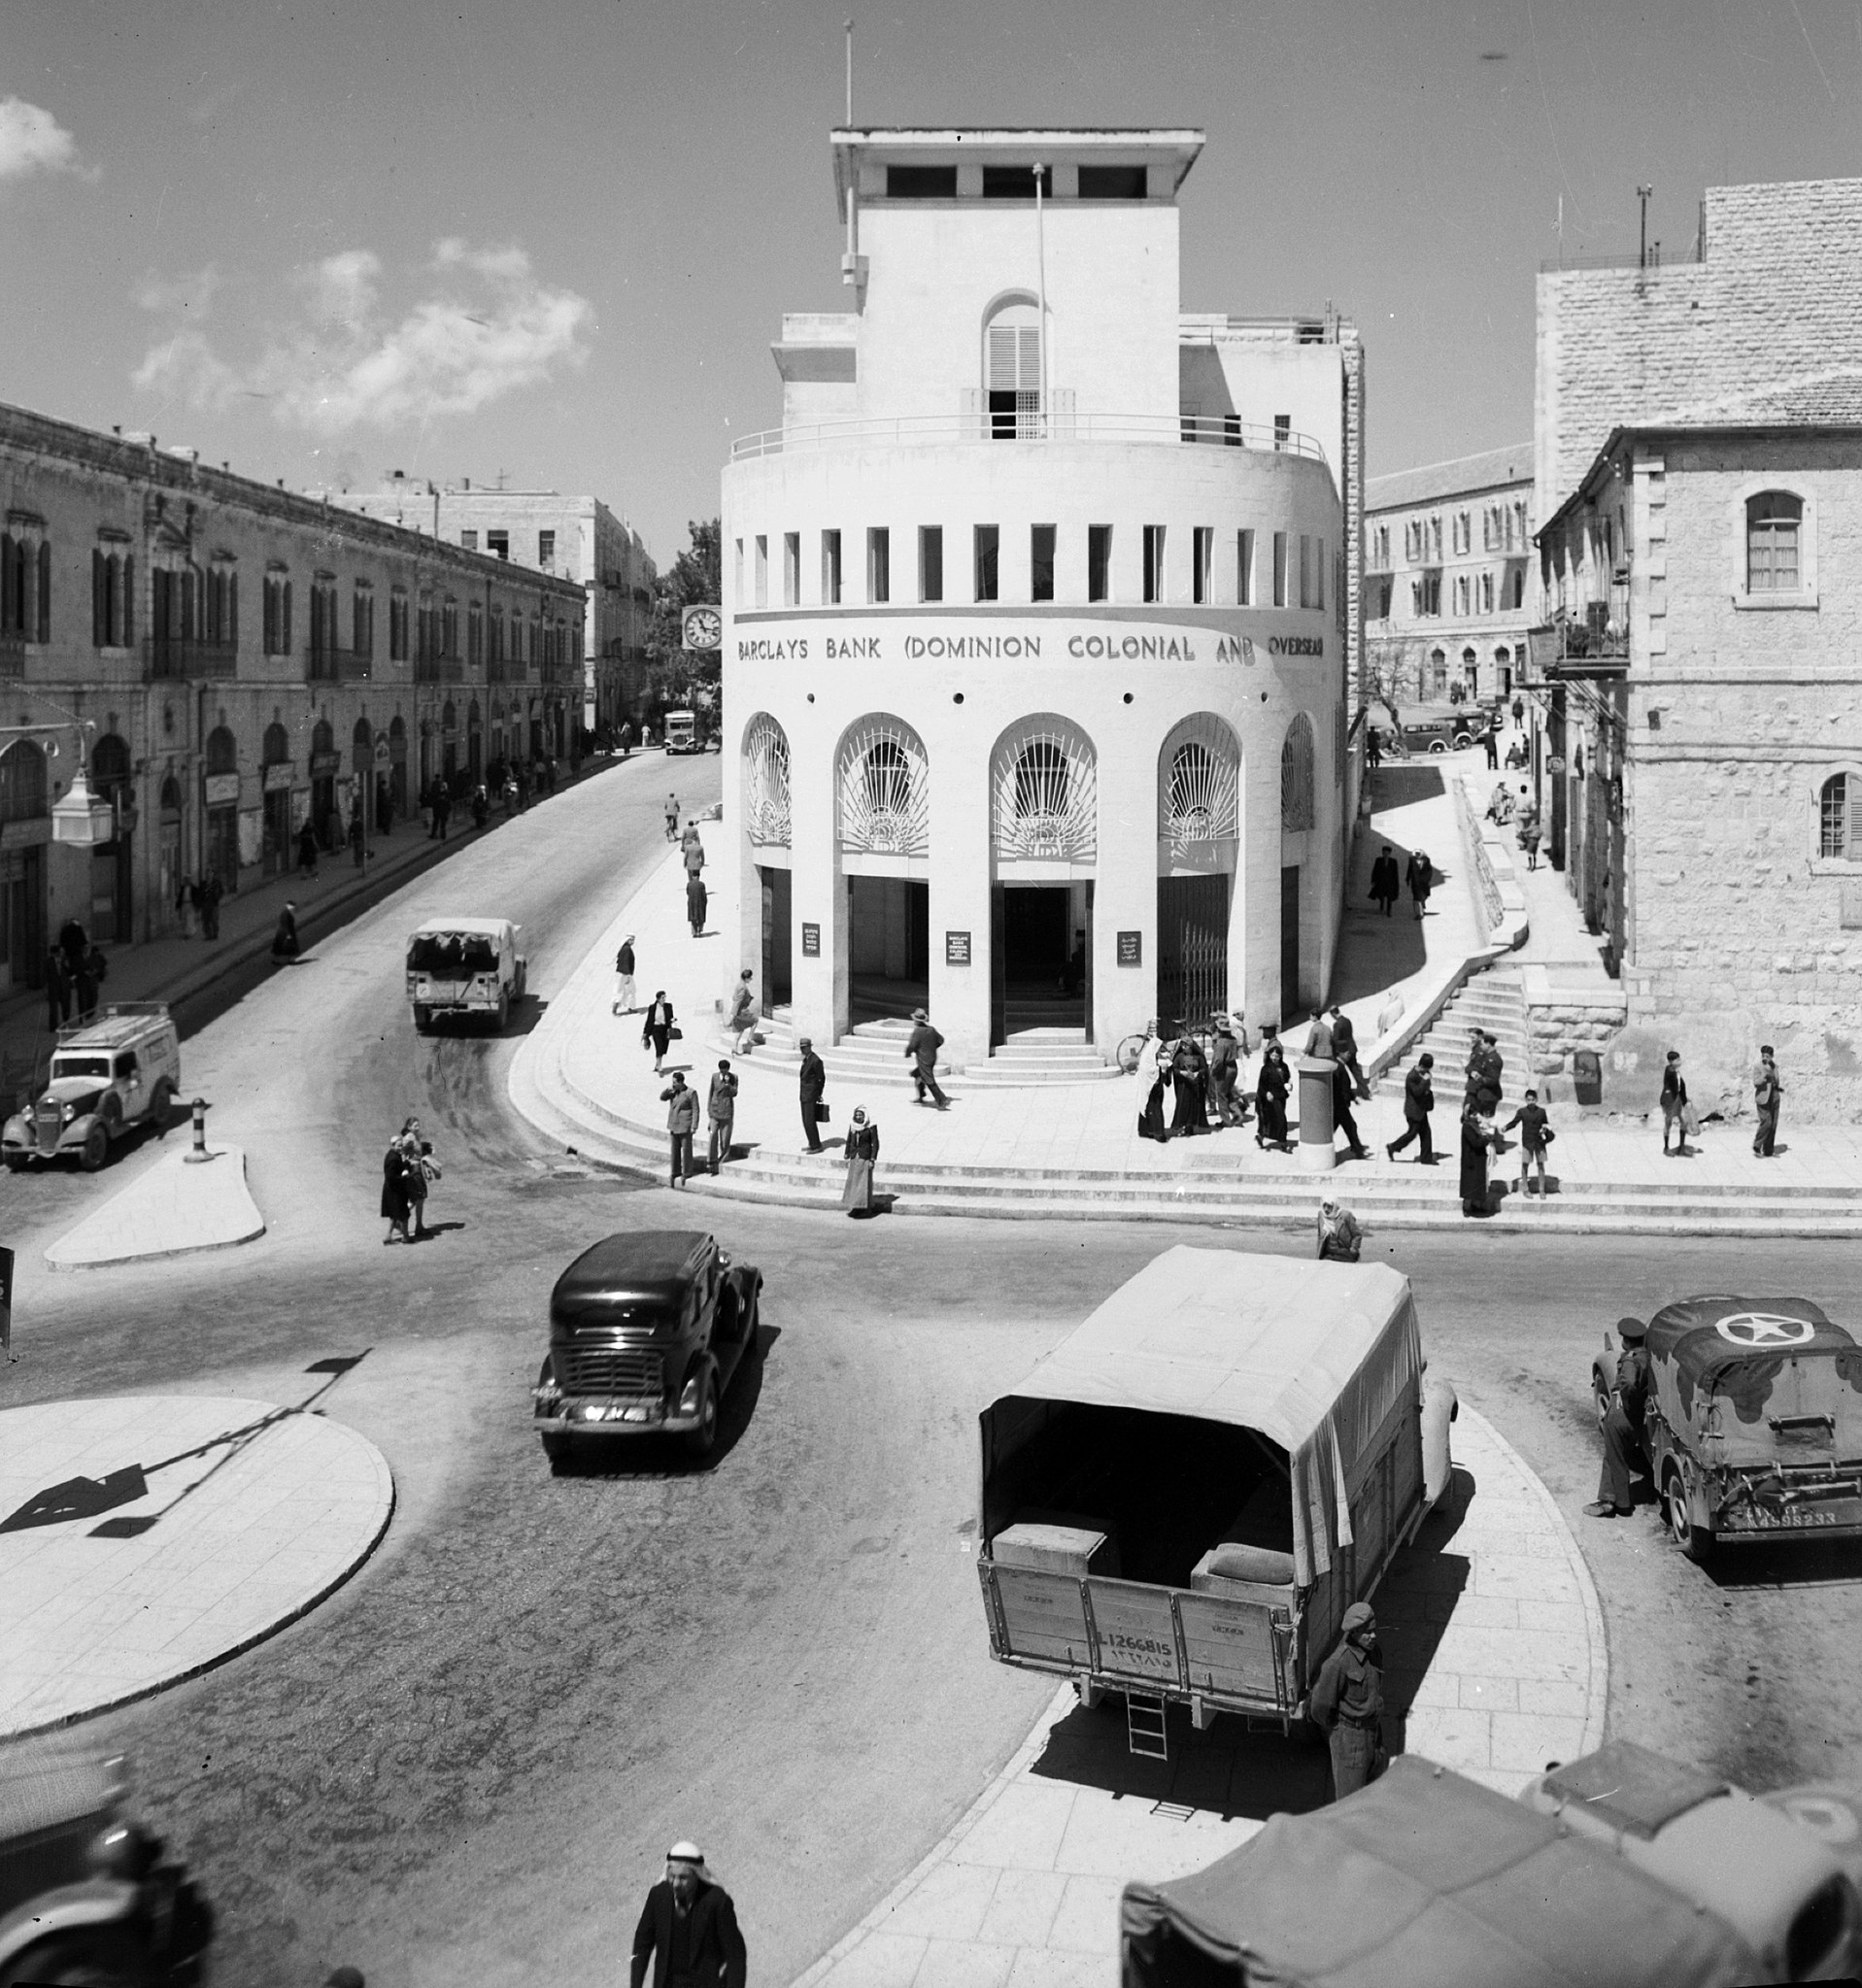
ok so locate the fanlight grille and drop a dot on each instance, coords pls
(1296, 776)
(766, 753)
(1047, 796)
(885, 790)
(1199, 790)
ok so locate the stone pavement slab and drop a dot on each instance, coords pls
(175, 1208)
(145, 1538)
(1025, 1888)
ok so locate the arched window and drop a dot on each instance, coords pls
(278, 745)
(1773, 523)
(766, 805)
(1012, 369)
(888, 777)
(171, 800)
(323, 738)
(23, 781)
(223, 751)
(1839, 814)
(1045, 780)
(1040, 780)
(1296, 776)
(361, 747)
(1199, 785)
(884, 789)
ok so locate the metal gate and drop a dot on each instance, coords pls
(1192, 947)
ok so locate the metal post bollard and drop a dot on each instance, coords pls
(200, 1152)
(1316, 1125)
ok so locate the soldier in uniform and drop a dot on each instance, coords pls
(1348, 1703)
(1623, 1425)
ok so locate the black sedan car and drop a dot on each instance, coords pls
(646, 1331)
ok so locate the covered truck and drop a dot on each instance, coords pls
(1183, 1498)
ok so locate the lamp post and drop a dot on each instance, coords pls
(79, 817)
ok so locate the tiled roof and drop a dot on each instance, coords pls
(1832, 399)
(1464, 474)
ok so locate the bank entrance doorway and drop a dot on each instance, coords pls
(887, 947)
(778, 897)
(1289, 976)
(1192, 947)
(1040, 959)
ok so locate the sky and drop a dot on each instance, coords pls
(551, 241)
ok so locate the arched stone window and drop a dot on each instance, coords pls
(1296, 776)
(323, 738)
(883, 788)
(278, 745)
(171, 800)
(1773, 528)
(1839, 818)
(23, 781)
(223, 751)
(1045, 790)
(109, 762)
(766, 769)
(1199, 785)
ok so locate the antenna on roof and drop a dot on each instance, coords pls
(849, 76)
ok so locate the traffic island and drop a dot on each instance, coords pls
(186, 1201)
(147, 1539)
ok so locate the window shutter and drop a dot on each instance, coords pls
(1852, 835)
(128, 599)
(1028, 339)
(1001, 359)
(287, 650)
(99, 595)
(44, 628)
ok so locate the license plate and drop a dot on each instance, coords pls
(1802, 1518)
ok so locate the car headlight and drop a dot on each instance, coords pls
(119, 1850)
(70, 1112)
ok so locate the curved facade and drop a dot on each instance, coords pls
(1038, 709)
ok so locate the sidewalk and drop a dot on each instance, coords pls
(1494, 1666)
(175, 970)
(175, 1208)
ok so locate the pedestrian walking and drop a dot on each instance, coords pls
(1319, 1036)
(358, 836)
(419, 1166)
(1344, 1047)
(1271, 1099)
(1384, 883)
(395, 1201)
(1342, 1118)
(481, 806)
(682, 1125)
(743, 1013)
(57, 991)
(658, 1030)
(697, 904)
(1418, 1101)
(211, 890)
(814, 1081)
(284, 941)
(672, 817)
(1535, 1135)
(687, 1929)
(1152, 1124)
(1622, 1426)
(1490, 1065)
(863, 1151)
(1768, 1094)
(1519, 711)
(306, 852)
(1529, 837)
(1372, 747)
(921, 1051)
(1224, 1066)
(73, 944)
(1477, 1142)
(1340, 1234)
(1421, 879)
(184, 906)
(1490, 745)
(691, 849)
(721, 1108)
(624, 978)
(1189, 1071)
(1348, 1703)
(627, 738)
(1676, 1116)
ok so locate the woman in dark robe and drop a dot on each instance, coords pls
(1271, 1099)
(1189, 1073)
(284, 945)
(394, 1206)
(861, 1149)
(1151, 1124)
(1477, 1138)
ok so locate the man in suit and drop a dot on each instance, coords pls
(1384, 882)
(1418, 1101)
(814, 1081)
(689, 1928)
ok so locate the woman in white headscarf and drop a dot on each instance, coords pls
(1340, 1238)
(862, 1149)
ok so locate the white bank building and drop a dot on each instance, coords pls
(1041, 613)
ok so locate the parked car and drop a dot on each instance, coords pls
(681, 732)
(85, 1894)
(1754, 1426)
(1454, 732)
(465, 967)
(647, 1331)
(120, 1070)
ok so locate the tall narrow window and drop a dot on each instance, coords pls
(362, 619)
(931, 563)
(1232, 430)
(1012, 370)
(736, 583)
(1154, 562)
(763, 569)
(1773, 520)
(1282, 430)
(1040, 562)
(1099, 562)
(831, 569)
(1833, 818)
(1202, 564)
(1279, 569)
(1318, 572)
(1245, 568)
(397, 620)
(987, 559)
(545, 549)
(790, 568)
(879, 563)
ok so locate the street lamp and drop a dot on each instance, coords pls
(81, 818)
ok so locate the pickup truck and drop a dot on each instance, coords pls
(647, 1331)
(1753, 1425)
(465, 967)
(1183, 1498)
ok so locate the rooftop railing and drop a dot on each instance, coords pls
(1027, 428)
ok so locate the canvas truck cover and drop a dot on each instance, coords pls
(1423, 1879)
(1312, 1355)
(1764, 1358)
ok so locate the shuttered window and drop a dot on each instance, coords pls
(1839, 817)
(1774, 520)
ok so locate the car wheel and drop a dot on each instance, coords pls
(96, 1149)
(522, 980)
(504, 1010)
(1696, 1542)
(703, 1441)
(422, 1021)
(80, 1960)
(756, 1309)
(1439, 746)
(1462, 742)
(560, 1451)
(161, 1101)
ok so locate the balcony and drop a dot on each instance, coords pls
(1594, 645)
(332, 666)
(167, 656)
(1058, 423)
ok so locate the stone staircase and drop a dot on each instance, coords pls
(1493, 999)
(872, 1054)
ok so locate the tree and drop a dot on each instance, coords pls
(684, 677)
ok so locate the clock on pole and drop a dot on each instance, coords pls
(702, 629)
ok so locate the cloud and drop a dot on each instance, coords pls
(33, 141)
(191, 293)
(490, 328)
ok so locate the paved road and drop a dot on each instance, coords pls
(466, 1764)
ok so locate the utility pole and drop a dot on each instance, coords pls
(1642, 194)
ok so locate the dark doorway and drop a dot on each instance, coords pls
(1290, 1003)
(1192, 947)
(887, 947)
(1043, 962)
(776, 901)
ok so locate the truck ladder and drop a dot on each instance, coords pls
(1145, 1730)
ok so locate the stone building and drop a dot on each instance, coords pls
(1713, 763)
(225, 661)
(1041, 613)
(1449, 584)
(574, 537)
